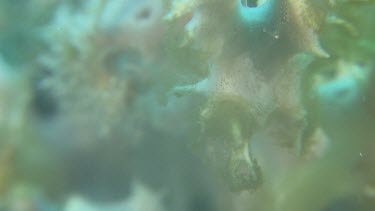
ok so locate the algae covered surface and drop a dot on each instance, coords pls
(187, 105)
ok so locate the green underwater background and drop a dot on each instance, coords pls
(187, 105)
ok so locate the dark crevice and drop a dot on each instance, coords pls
(249, 3)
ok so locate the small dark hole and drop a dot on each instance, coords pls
(44, 103)
(121, 61)
(144, 14)
(249, 3)
(330, 74)
(342, 93)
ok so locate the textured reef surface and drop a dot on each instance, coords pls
(187, 105)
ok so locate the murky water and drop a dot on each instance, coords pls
(187, 105)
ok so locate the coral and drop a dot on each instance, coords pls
(339, 97)
(249, 63)
(119, 72)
